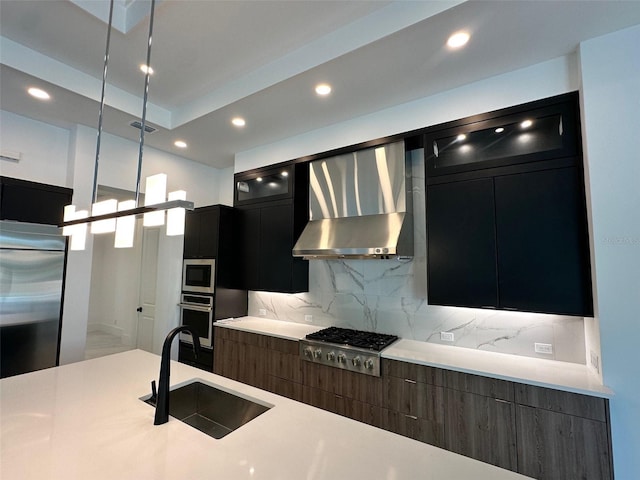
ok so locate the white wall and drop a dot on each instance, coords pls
(44, 150)
(611, 102)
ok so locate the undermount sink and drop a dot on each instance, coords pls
(209, 409)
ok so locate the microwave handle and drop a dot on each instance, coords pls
(188, 306)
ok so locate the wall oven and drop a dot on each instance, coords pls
(198, 275)
(196, 311)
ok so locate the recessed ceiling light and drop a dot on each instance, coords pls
(285, 174)
(146, 69)
(180, 144)
(259, 179)
(499, 130)
(323, 89)
(38, 93)
(526, 124)
(458, 39)
(238, 122)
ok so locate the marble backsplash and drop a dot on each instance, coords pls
(389, 296)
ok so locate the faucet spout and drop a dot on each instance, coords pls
(162, 403)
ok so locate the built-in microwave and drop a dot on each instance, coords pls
(198, 275)
(196, 312)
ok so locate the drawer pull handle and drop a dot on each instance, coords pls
(501, 401)
(413, 382)
(411, 417)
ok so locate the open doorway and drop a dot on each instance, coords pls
(123, 290)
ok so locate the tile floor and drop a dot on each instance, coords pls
(100, 344)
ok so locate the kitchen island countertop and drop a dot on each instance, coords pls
(85, 420)
(565, 376)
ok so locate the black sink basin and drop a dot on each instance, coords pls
(209, 409)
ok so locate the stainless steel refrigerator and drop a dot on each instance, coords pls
(32, 263)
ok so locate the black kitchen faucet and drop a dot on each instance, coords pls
(162, 397)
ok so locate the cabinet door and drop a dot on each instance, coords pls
(201, 233)
(556, 446)
(543, 246)
(191, 235)
(208, 233)
(276, 260)
(480, 427)
(249, 261)
(461, 254)
(33, 202)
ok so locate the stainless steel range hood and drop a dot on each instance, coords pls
(360, 206)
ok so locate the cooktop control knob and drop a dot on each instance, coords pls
(308, 352)
(342, 358)
(317, 354)
(368, 363)
(357, 361)
(331, 356)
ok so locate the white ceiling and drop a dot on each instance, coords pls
(261, 60)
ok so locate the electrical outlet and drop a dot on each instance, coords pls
(546, 348)
(447, 336)
(308, 318)
(595, 361)
(262, 312)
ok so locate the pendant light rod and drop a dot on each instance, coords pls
(94, 192)
(144, 103)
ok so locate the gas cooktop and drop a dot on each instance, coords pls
(354, 338)
(348, 349)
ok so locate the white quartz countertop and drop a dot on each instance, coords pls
(265, 326)
(85, 421)
(569, 377)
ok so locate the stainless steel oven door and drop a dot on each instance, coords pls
(196, 312)
(198, 275)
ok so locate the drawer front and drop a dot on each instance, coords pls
(414, 398)
(554, 446)
(412, 371)
(485, 386)
(423, 430)
(562, 402)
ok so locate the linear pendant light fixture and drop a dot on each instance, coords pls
(111, 216)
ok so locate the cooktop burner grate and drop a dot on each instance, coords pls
(355, 338)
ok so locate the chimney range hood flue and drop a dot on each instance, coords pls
(360, 206)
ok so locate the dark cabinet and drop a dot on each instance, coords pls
(201, 232)
(543, 249)
(211, 232)
(32, 202)
(462, 244)
(273, 213)
(507, 225)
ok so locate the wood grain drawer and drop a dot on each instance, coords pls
(421, 429)
(413, 398)
(485, 386)
(555, 446)
(412, 371)
(562, 402)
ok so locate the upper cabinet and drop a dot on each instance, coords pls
(506, 211)
(211, 232)
(274, 208)
(32, 202)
